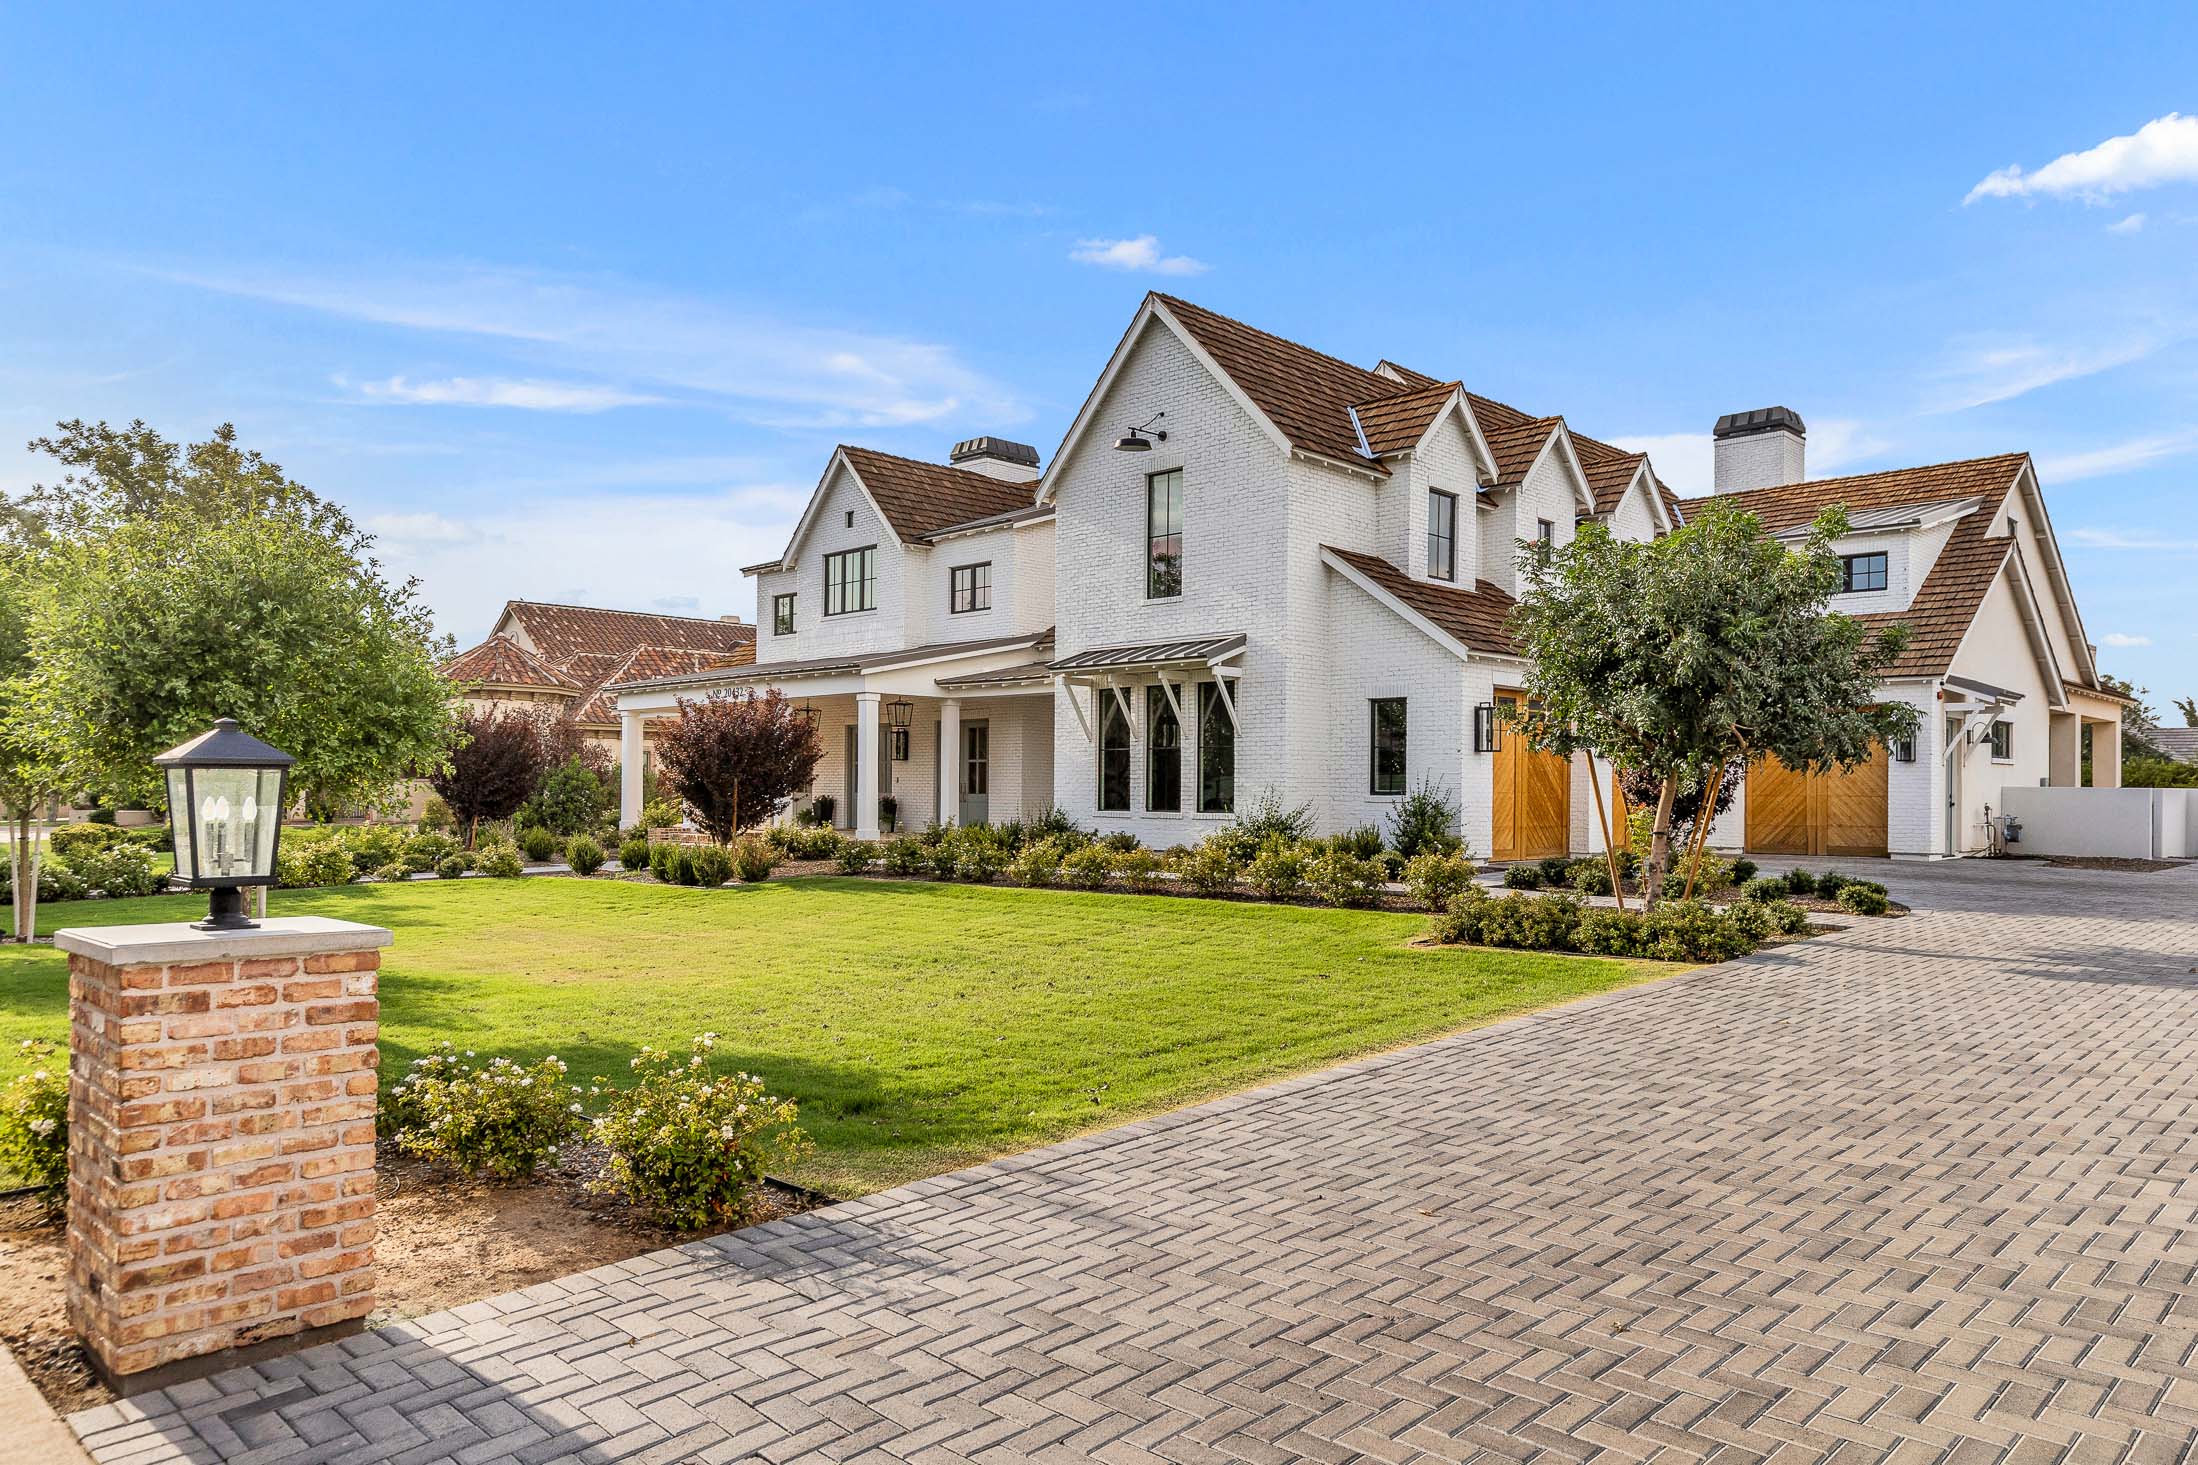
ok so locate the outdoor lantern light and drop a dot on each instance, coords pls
(1134, 441)
(225, 801)
(1486, 733)
(1904, 750)
(807, 712)
(899, 711)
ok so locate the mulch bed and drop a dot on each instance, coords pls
(443, 1241)
(2104, 862)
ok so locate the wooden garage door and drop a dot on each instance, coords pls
(1835, 813)
(1533, 798)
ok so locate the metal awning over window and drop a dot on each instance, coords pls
(1108, 669)
(1196, 651)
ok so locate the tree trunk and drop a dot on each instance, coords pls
(23, 861)
(1659, 857)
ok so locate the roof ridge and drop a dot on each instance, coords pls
(609, 610)
(1858, 477)
(940, 467)
(1270, 335)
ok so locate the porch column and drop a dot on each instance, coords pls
(950, 745)
(630, 756)
(866, 764)
(2106, 754)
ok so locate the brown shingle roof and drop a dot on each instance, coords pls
(1477, 617)
(1396, 424)
(1609, 470)
(919, 498)
(1948, 599)
(502, 662)
(1517, 446)
(1304, 393)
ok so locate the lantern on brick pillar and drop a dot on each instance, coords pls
(225, 799)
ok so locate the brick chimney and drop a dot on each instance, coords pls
(996, 457)
(1759, 449)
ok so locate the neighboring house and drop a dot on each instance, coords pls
(1254, 567)
(568, 658)
(2179, 743)
(910, 616)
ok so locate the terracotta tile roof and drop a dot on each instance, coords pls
(919, 498)
(1306, 394)
(561, 633)
(1477, 617)
(1790, 505)
(1947, 601)
(645, 662)
(502, 662)
(1396, 424)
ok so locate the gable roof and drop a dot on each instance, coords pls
(563, 633)
(502, 662)
(1306, 394)
(1396, 424)
(646, 662)
(919, 498)
(1478, 618)
(1791, 505)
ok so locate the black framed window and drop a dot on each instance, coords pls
(1545, 531)
(2003, 741)
(1217, 748)
(851, 580)
(782, 615)
(969, 587)
(1163, 754)
(1859, 572)
(1114, 753)
(1442, 535)
(1164, 535)
(1387, 773)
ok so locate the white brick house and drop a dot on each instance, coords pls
(1252, 566)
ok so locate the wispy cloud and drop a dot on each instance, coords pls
(2116, 457)
(478, 391)
(2164, 150)
(2127, 224)
(1982, 371)
(2121, 638)
(2136, 539)
(1140, 254)
(642, 342)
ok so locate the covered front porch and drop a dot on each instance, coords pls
(937, 735)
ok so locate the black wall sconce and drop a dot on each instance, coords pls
(1135, 441)
(1487, 731)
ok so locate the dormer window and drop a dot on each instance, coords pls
(1442, 535)
(1861, 572)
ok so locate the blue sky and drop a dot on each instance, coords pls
(572, 305)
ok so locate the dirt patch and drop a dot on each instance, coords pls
(2101, 862)
(443, 1242)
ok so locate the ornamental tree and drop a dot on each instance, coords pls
(29, 776)
(495, 763)
(1713, 645)
(737, 759)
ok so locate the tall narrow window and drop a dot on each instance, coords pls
(1545, 531)
(1388, 746)
(782, 615)
(1860, 572)
(1217, 748)
(1164, 535)
(970, 587)
(1163, 754)
(1114, 753)
(851, 581)
(1442, 535)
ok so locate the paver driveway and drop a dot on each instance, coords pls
(1924, 1191)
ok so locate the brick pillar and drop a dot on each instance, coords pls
(221, 1139)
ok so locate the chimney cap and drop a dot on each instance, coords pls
(994, 447)
(1761, 419)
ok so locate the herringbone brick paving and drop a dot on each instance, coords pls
(1923, 1191)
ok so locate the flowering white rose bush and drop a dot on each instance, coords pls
(34, 1122)
(691, 1146)
(497, 1118)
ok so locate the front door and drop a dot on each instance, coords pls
(1532, 813)
(844, 815)
(976, 763)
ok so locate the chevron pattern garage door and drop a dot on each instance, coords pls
(1793, 813)
(1533, 798)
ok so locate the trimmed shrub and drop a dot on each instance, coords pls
(391, 873)
(1038, 864)
(1278, 870)
(124, 869)
(753, 860)
(1606, 932)
(1422, 822)
(855, 858)
(1753, 918)
(1800, 882)
(1138, 868)
(452, 865)
(1764, 891)
(1532, 922)
(1340, 878)
(982, 855)
(424, 851)
(1556, 869)
(1591, 877)
(1743, 870)
(691, 1147)
(1687, 930)
(633, 852)
(540, 844)
(1210, 867)
(495, 1118)
(1460, 921)
(584, 855)
(73, 840)
(1860, 899)
(664, 861)
(1364, 841)
(1787, 919)
(707, 865)
(1830, 883)
(1523, 877)
(58, 881)
(34, 1121)
(1089, 868)
(1434, 878)
(313, 863)
(905, 855)
(501, 861)
(1121, 841)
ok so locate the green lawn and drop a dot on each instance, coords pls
(922, 1027)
